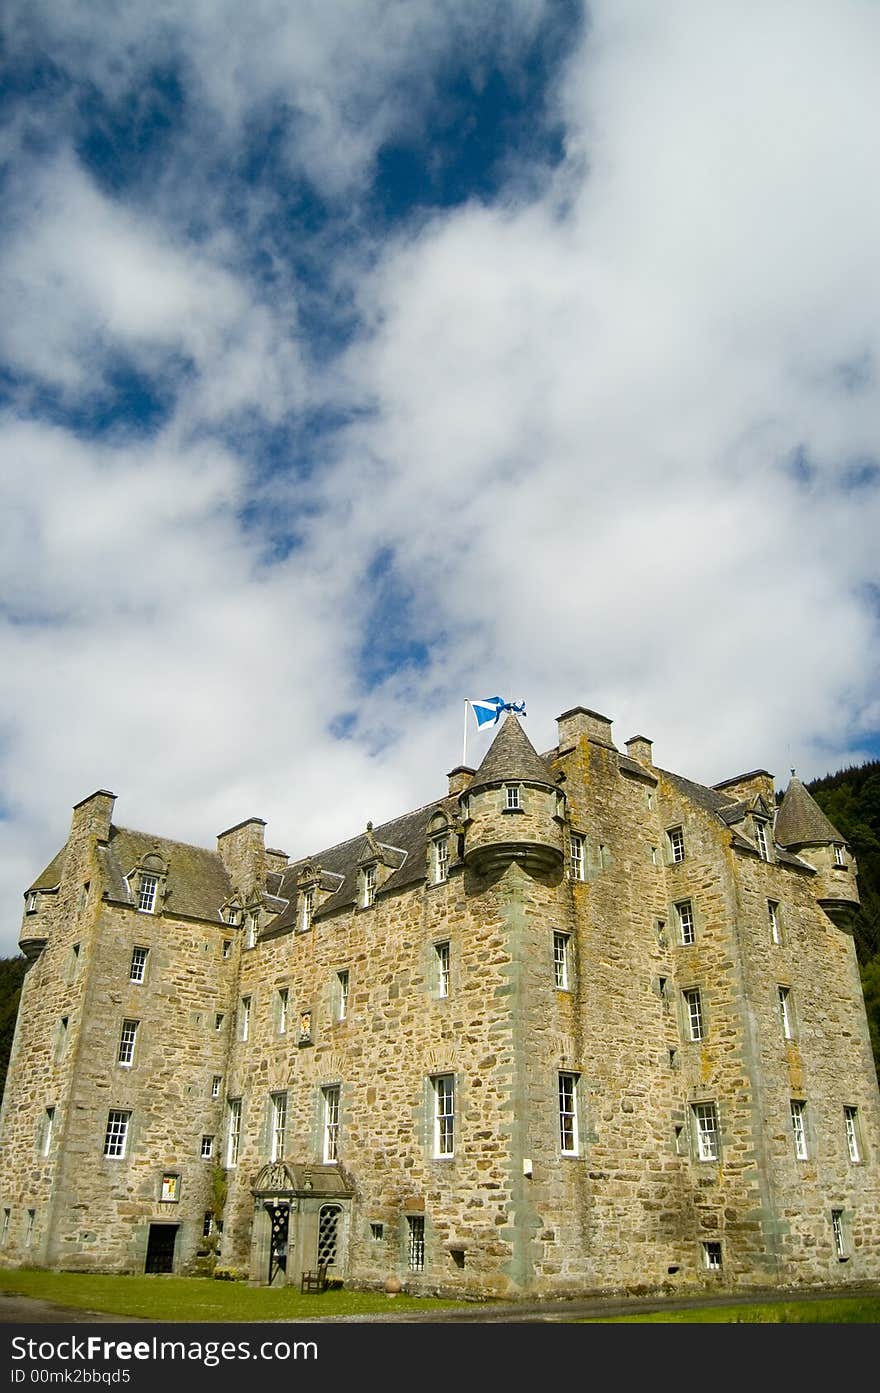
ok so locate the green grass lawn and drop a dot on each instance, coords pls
(844, 1310)
(200, 1298)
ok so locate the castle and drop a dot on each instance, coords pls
(579, 1025)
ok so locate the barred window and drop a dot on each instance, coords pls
(415, 1247)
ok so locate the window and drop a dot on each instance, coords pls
(244, 1018)
(331, 1122)
(138, 964)
(693, 1014)
(46, 1131)
(415, 1246)
(576, 856)
(230, 914)
(279, 1126)
(440, 858)
(785, 1012)
(568, 1128)
(512, 797)
(655, 859)
(218, 1020)
(441, 955)
(308, 905)
(685, 915)
(799, 1129)
(31, 902)
(839, 858)
(215, 1085)
(377, 1232)
(73, 962)
(368, 886)
(444, 1114)
(116, 1136)
(207, 1148)
(675, 837)
(282, 1001)
(227, 947)
(29, 1231)
(342, 994)
(774, 921)
(208, 1223)
(853, 1138)
(251, 937)
(126, 1043)
(712, 1256)
(761, 839)
(561, 965)
(83, 896)
(61, 1038)
(147, 887)
(840, 1247)
(7, 1215)
(705, 1118)
(233, 1130)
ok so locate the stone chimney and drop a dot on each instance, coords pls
(276, 860)
(579, 722)
(639, 748)
(242, 850)
(92, 816)
(459, 778)
(748, 786)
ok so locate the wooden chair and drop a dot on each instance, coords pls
(315, 1281)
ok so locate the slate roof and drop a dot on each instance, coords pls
(512, 756)
(50, 878)
(800, 820)
(197, 881)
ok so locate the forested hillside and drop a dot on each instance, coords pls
(850, 798)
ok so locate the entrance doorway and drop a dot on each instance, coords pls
(280, 1217)
(160, 1248)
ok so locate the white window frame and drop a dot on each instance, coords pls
(368, 886)
(567, 1099)
(442, 957)
(853, 1133)
(342, 981)
(675, 841)
(443, 1090)
(278, 1125)
(839, 857)
(562, 960)
(127, 1042)
(330, 1122)
(148, 889)
(283, 1009)
(116, 1134)
(31, 902)
(798, 1109)
(207, 1151)
(693, 1013)
(244, 1019)
(216, 1082)
(841, 1249)
(687, 929)
(307, 909)
(786, 1013)
(712, 1255)
(761, 840)
(512, 798)
(705, 1117)
(440, 858)
(775, 922)
(577, 856)
(47, 1129)
(251, 932)
(138, 968)
(233, 1130)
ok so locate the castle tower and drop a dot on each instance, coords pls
(803, 828)
(513, 809)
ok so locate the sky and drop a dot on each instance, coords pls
(360, 359)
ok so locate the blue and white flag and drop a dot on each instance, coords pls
(488, 710)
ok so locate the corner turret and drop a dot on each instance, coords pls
(803, 828)
(513, 809)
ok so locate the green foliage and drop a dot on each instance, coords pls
(851, 799)
(11, 978)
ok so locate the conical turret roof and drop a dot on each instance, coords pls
(512, 756)
(800, 820)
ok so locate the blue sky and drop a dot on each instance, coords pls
(356, 359)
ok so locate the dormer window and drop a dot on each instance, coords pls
(512, 798)
(440, 859)
(231, 914)
(252, 925)
(308, 908)
(147, 888)
(368, 886)
(761, 839)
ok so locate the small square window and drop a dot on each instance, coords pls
(712, 1256)
(512, 798)
(377, 1232)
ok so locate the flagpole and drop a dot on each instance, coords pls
(464, 738)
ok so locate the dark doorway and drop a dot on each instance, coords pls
(160, 1248)
(280, 1216)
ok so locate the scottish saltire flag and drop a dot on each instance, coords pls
(488, 710)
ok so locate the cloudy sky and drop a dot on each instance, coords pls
(358, 358)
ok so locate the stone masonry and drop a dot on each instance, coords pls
(580, 1025)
